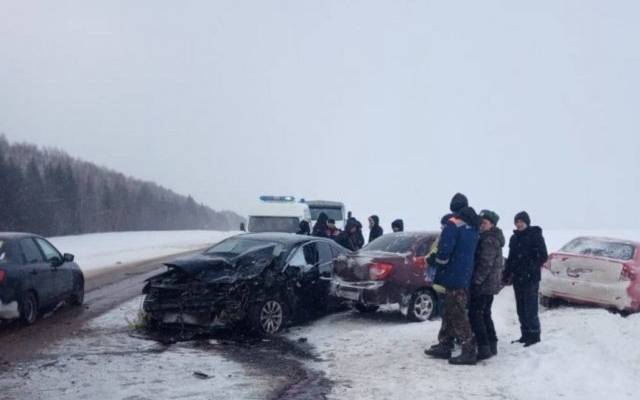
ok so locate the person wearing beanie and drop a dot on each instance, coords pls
(486, 283)
(527, 254)
(397, 225)
(458, 202)
(375, 230)
(454, 263)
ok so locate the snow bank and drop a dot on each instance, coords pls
(102, 251)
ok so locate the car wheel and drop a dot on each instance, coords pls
(422, 306)
(29, 308)
(78, 297)
(366, 309)
(549, 302)
(268, 317)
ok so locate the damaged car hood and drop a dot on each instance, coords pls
(219, 269)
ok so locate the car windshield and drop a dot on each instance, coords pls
(235, 246)
(273, 224)
(392, 244)
(334, 213)
(600, 248)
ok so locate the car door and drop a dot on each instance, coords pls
(418, 275)
(40, 273)
(305, 258)
(62, 274)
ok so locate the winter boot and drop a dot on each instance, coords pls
(484, 352)
(494, 348)
(466, 358)
(440, 350)
(532, 339)
(522, 339)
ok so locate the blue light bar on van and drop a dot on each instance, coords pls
(282, 199)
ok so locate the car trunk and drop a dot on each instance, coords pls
(587, 269)
(356, 267)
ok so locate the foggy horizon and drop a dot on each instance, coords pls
(389, 107)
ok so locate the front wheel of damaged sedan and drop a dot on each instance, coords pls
(268, 317)
(422, 306)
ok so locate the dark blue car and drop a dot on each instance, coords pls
(35, 276)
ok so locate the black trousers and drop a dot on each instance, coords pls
(481, 321)
(527, 306)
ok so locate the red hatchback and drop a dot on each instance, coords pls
(389, 270)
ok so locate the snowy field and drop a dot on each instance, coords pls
(99, 252)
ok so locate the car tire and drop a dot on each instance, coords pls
(77, 299)
(422, 306)
(549, 302)
(268, 317)
(29, 308)
(365, 308)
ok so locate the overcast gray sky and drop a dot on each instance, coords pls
(388, 106)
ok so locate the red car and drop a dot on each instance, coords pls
(593, 270)
(389, 270)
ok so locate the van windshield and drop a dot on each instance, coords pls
(600, 248)
(273, 224)
(334, 213)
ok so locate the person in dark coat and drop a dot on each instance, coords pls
(397, 225)
(320, 227)
(375, 230)
(455, 261)
(358, 235)
(485, 283)
(304, 228)
(527, 254)
(349, 237)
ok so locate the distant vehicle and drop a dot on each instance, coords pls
(334, 210)
(278, 214)
(262, 281)
(594, 270)
(389, 270)
(35, 276)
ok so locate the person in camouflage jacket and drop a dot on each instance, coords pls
(485, 283)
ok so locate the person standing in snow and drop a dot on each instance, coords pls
(304, 228)
(527, 254)
(320, 227)
(397, 225)
(485, 283)
(375, 230)
(349, 238)
(455, 262)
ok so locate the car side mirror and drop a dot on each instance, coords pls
(56, 262)
(68, 257)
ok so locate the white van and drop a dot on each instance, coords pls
(334, 210)
(278, 214)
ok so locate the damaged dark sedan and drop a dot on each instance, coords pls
(260, 281)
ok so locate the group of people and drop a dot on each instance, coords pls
(471, 270)
(351, 237)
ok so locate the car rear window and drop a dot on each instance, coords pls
(600, 248)
(392, 244)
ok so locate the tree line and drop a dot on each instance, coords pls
(45, 191)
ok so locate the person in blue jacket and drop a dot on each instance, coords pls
(455, 261)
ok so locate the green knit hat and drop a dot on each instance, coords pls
(490, 215)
